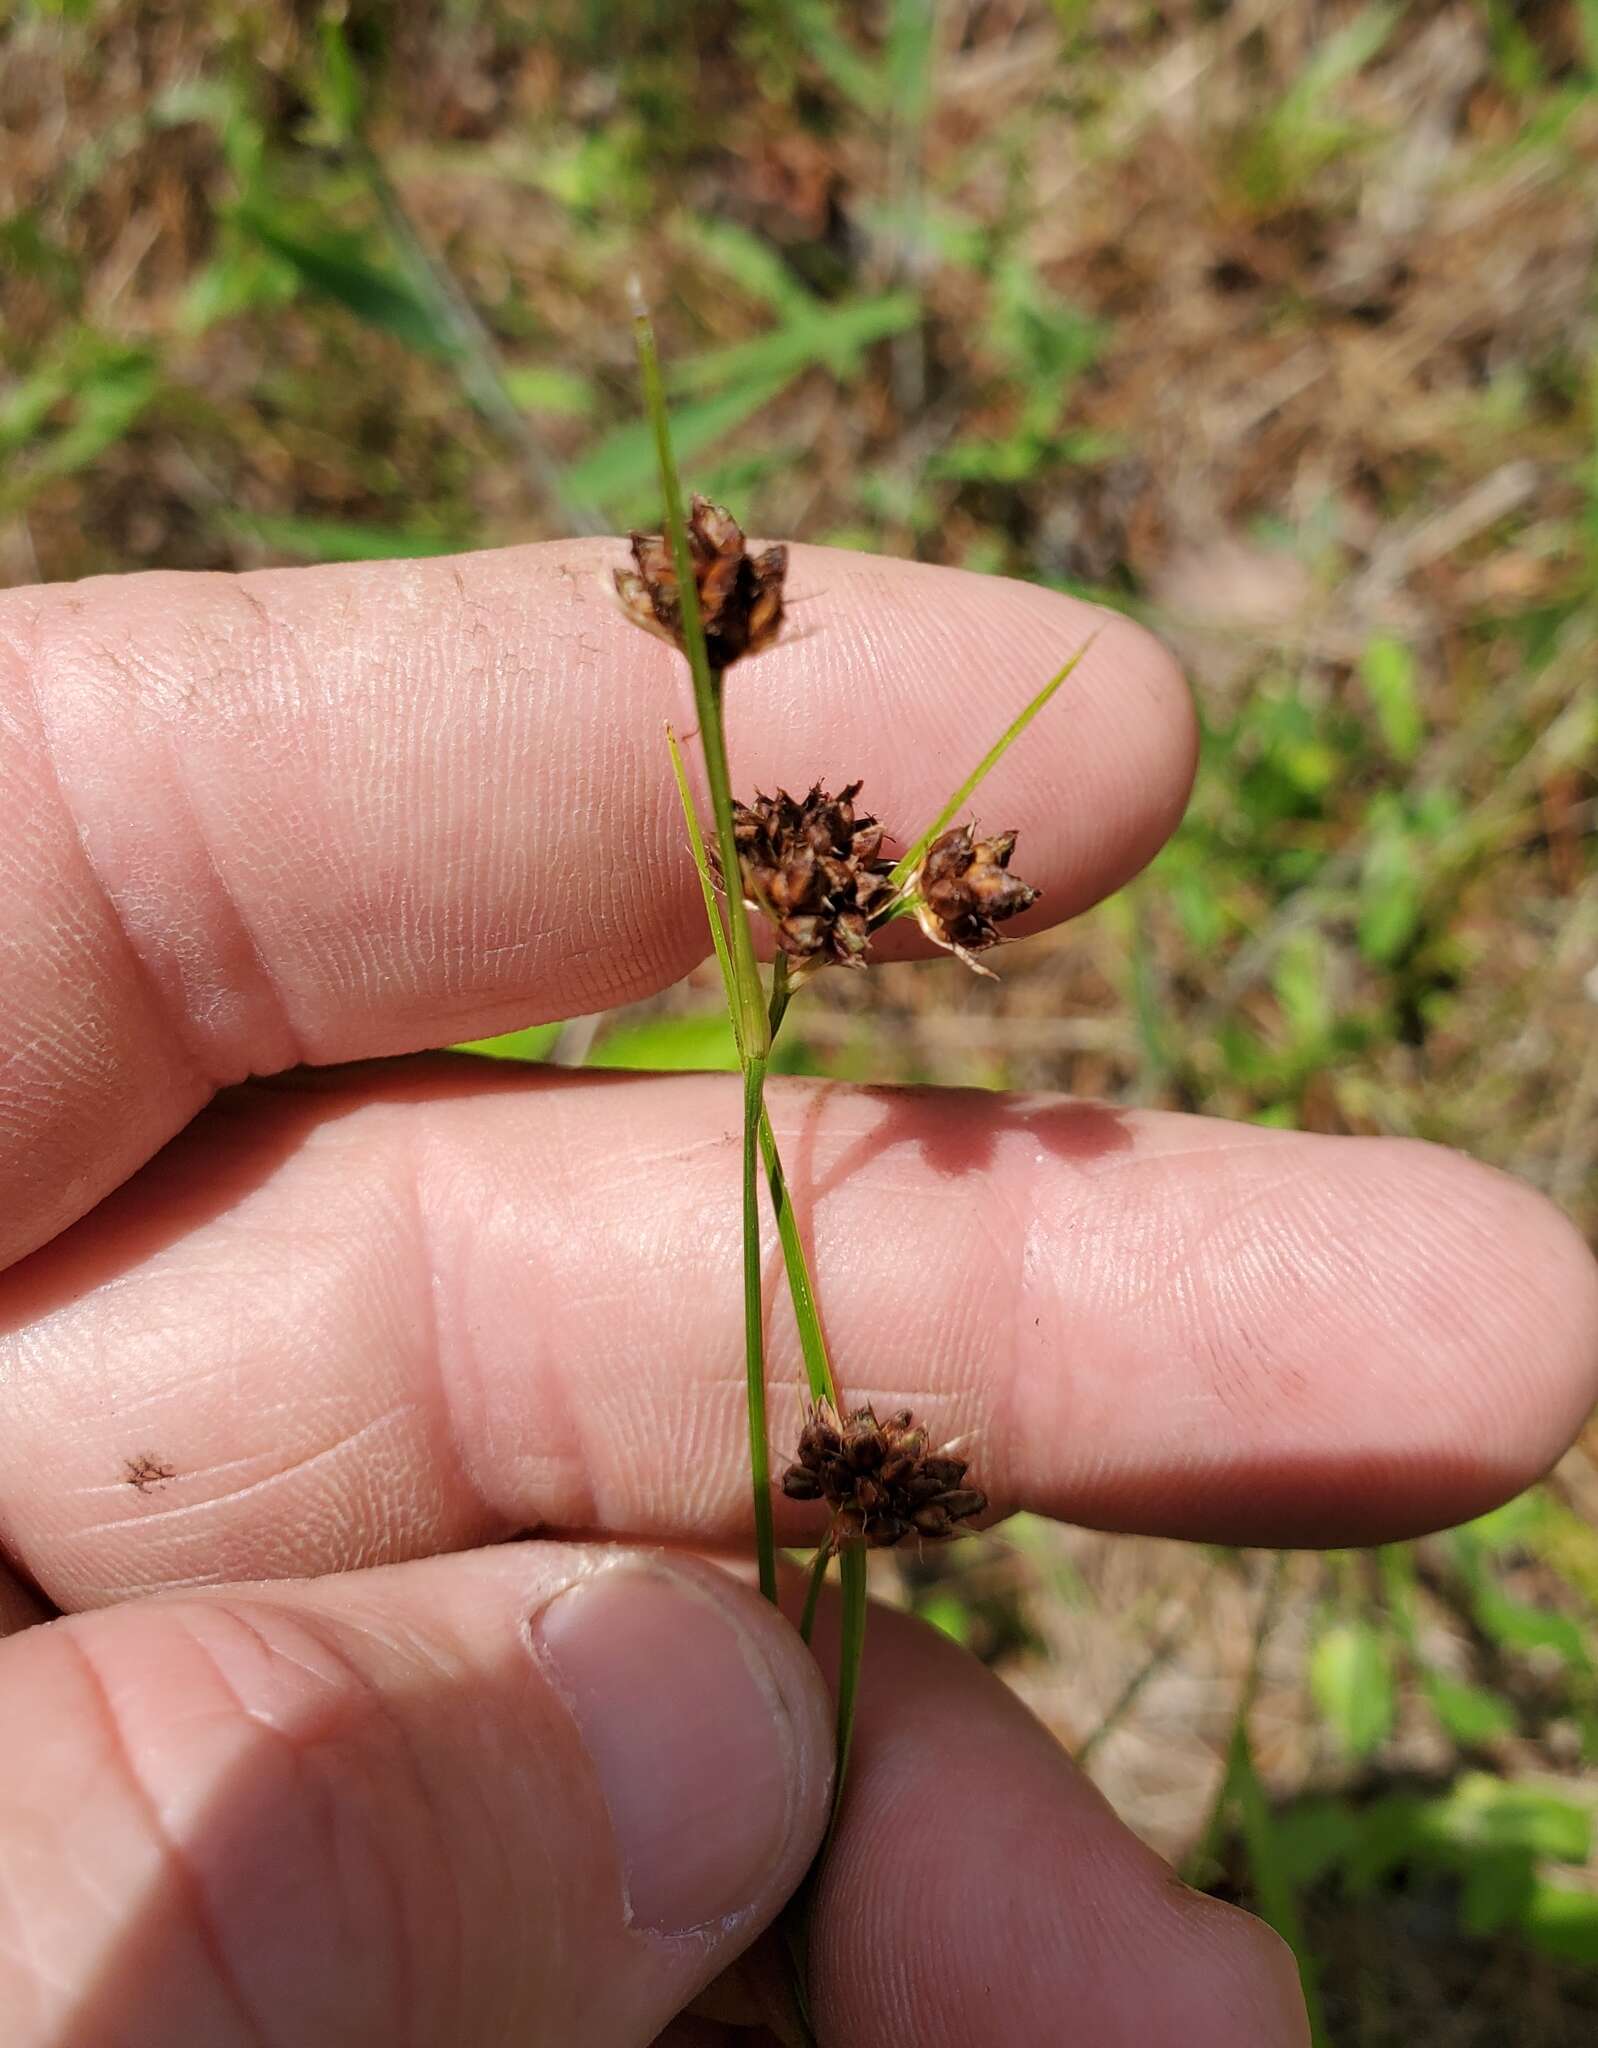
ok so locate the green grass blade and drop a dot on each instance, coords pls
(616, 470)
(1274, 1890)
(909, 862)
(830, 337)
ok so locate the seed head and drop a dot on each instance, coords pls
(881, 1479)
(815, 869)
(740, 595)
(965, 891)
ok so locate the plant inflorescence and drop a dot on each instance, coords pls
(817, 871)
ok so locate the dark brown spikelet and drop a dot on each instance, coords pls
(881, 1479)
(815, 869)
(966, 892)
(740, 595)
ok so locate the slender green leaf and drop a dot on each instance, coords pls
(616, 470)
(695, 1044)
(1391, 894)
(1472, 1716)
(1314, 1838)
(1270, 1875)
(815, 23)
(541, 387)
(1302, 984)
(910, 861)
(1352, 1680)
(1518, 1626)
(1338, 57)
(750, 262)
(537, 1042)
(328, 265)
(911, 45)
(339, 540)
(1388, 669)
(1480, 1811)
(338, 83)
(831, 337)
(1561, 1921)
(948, 1614)
(1495, 1889)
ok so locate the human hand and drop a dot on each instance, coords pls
(331, 1332)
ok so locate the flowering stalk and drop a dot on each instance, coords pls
(815, 869)
(747, 995)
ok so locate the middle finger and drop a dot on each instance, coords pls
(385, 1312)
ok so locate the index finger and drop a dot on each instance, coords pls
(322, 814)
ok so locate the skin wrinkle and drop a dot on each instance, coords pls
(32, 667)
(232, 1496)
(26, 1950)
(356, 1698)
(565, 1479)
(199, 1915)
(223, 917)
(445, 1357)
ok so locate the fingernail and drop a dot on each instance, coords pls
(690, 1736)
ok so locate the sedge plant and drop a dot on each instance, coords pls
(817, 871)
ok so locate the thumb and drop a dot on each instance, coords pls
(541, 1793)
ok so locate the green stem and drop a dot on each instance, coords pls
(851, 1644)
(753, 1026)
(813, 1345)
(749, 1008)
(818, 1575)
(707, 682)
(754, 1355)
(718, 935)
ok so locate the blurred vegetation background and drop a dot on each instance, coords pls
(1272, 324)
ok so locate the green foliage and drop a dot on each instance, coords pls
(331, 264)
(536, 1042)
(1351, 1677)
(1493, 1840)
(60, 419)
(1279, 154)
(1272, 1879)
(1388, 667)
(703, 1043)
(340, 540)
(1515, 1625)
(1473, 1716)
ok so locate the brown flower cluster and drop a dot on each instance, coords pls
(740, 595)
(816, 870)
(881, 1479)
(965, 891)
